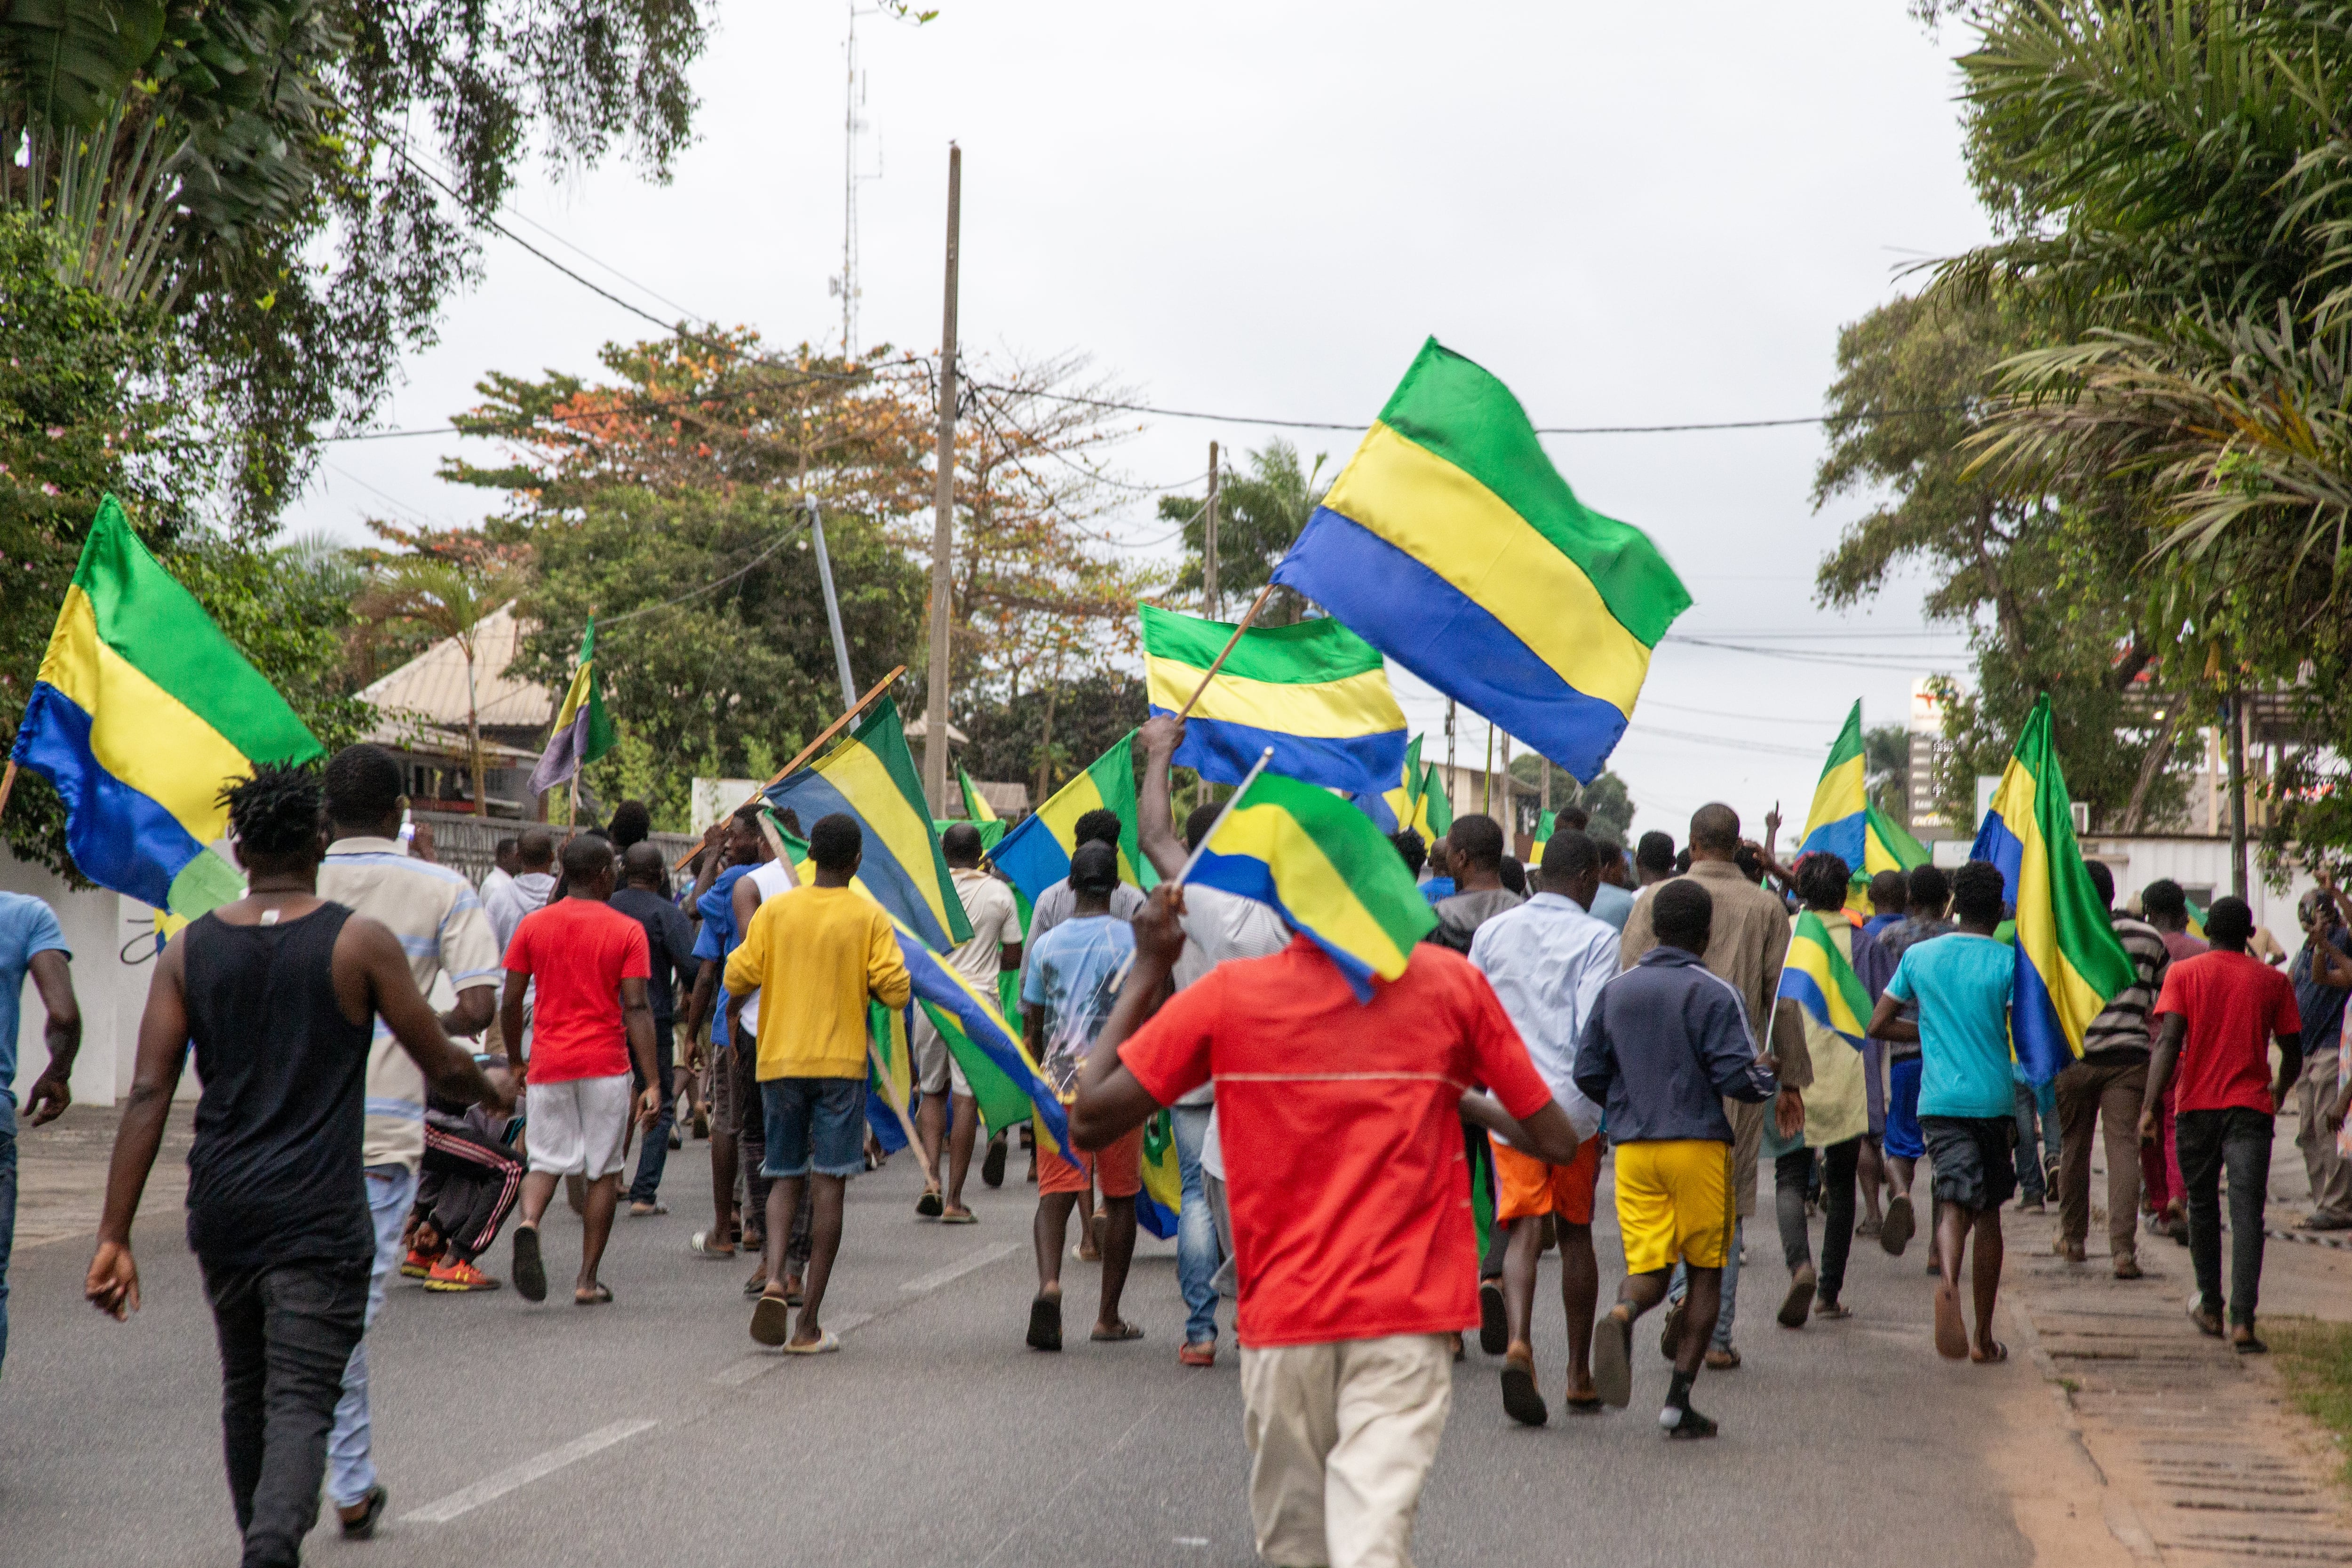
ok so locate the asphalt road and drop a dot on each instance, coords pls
(655, 1430)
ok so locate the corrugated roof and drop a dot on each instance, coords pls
(1005, 799)
(432, 685)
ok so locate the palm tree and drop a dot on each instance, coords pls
(451, 601)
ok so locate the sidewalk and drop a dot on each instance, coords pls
(2201, 1459)
(61, 1171)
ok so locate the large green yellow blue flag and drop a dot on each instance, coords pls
(1329, 870)
(1451, 544)
(1845, 821)
(1036, 853)
(2069, 963)
(1315, 692)
(141, 713)
(870, 775)
(975, 805)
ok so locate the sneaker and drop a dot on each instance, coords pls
(417, 1265)
(451, 1274)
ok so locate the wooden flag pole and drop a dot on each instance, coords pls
(1247, 616)
(7, 782)
(882, 1072)
(811, 750)
(1239, 790)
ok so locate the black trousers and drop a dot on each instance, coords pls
(286, 1333)
(2239, 1138)
(1790, 1175)
(469, 1187)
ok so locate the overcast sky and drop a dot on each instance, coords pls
(1631, 214)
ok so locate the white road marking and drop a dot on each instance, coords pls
(489, 1488)
(959, 1268)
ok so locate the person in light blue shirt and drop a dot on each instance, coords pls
(30, 942)
(1612, 899)
(1548, 959)
(1962, 983)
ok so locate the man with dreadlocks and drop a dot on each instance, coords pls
(280, 992)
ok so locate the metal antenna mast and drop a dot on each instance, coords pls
(853, 99)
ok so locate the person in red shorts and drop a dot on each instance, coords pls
(1066, 990)
(1548, 961)
(1341, 1123)
(591, 1015)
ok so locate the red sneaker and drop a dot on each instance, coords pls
(449, 1274)
(1197, 1353)
(418, 1264)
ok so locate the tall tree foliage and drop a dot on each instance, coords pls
(1262, 503)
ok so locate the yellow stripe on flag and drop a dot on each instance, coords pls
(1466, 534)
(862, 778)
(1341, 710)
(1309, 885)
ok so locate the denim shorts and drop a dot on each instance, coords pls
(814, 1123)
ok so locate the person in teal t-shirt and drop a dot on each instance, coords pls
(1962, 983)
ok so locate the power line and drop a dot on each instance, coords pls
(1861, 659)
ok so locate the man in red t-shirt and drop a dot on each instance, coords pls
(2215, 1019)
(1352, 1233)
(590, 963)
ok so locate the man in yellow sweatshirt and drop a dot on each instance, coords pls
(817, 954)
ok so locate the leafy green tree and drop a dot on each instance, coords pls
(1260, 508)
(301, 184)
(1886, 769)
(1605, 799)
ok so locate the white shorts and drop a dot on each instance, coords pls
(575, 1128)
(935, 1070)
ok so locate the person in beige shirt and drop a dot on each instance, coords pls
(1747, 942)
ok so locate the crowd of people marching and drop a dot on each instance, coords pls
(1594, 1009)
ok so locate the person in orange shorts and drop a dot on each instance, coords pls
(1073, 976)
(1548, 959)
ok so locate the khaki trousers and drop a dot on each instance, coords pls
(2110, 1096)
(2330, 1175)
(1342, 1437)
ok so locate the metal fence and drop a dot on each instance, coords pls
(469, 844)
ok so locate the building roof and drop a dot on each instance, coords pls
(431, 686)
(1005, 799)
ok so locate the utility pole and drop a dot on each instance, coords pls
(935, 695)
(832, 606)
(1209, 602)
(2236, 709)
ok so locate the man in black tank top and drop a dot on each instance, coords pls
(278, 992)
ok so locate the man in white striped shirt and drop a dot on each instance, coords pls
(433, 911)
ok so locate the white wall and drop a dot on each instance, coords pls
(2200, 862)
(99, 927)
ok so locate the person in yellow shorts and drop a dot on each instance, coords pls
(1668, 1041)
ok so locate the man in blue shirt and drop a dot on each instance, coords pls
(1967, 1107)
(734, 1117)
(30, 940)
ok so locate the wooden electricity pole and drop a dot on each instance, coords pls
(934, 693)
(1211, 603)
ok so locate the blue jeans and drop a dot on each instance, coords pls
(1197, 1252)
(813, 1124)
(654, 1157)
(351, 1469)
(2037, 1138)
(7, 1215)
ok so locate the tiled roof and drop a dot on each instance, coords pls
(432, 685)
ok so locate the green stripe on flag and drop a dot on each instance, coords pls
(145, 615)
(1451, 406)
(1301, 655)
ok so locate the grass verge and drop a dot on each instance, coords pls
(2314, 1361)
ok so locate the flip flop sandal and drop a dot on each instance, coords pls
(1119, 1335)
(756, 1284)
(991, 1164)
(701, 1245)
(648, 1211)
(1798, 1304)
(600, 1296)
(959, 1217)
(2208, 1323)
(1612, 1361)
(772, 1322)
(1494, 1324)
(2250, 1345)
(825, 1343)
(1046, 1324)
(1583, 1405)
(1835, 1311)
(929, 1205)
(529, 1270)
(1894, 1232)
(1999, 1354)
(1522, 1401)
(363, 1526)
(1670, 1337)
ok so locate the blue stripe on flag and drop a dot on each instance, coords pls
(894, 886)
(1253, 878)
(1844, 838)
(1032, 856)
(118, 837)
(1224, 752)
